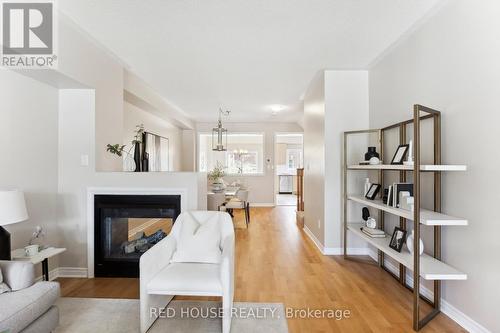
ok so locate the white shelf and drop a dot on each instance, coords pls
(427, 217)
(424, 167)
(430, 268)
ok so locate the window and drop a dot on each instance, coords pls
(244, 155)
(294, 158)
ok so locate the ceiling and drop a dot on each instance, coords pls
(243, 55)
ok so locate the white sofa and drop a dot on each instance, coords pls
(29, 307)
(161, 280)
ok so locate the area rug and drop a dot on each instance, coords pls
(82, 315)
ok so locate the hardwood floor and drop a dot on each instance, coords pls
(277, 262)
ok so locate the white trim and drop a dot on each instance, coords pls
(262, 204)
(313, 238)
(446, 308)
(352, 251)
(92, 191)
(65, 272)
(335, 251)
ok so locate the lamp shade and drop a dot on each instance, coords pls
(12, 207)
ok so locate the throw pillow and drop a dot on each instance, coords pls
(3, 287)
(199, 240)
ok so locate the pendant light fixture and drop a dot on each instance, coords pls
(219, 134)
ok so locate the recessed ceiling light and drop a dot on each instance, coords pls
(277, 108)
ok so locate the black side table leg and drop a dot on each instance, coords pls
(45, 269)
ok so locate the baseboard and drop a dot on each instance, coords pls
(316, 241)
(334, 251)
(262, 204)
(66, 272)
(456, 315)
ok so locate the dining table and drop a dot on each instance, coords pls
(229, 191)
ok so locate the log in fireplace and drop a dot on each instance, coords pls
(126, 226)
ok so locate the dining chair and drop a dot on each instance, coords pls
(240, 202)
(215, 201)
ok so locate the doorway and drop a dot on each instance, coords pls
(288, 157)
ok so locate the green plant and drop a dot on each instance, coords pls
(115, 149)
(217, 172)
(119, 149)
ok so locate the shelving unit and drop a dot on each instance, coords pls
(427, 217)
(428, 267)
(426, 167)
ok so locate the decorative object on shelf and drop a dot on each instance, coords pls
(31, 250)
(12, 210)
(409, 160)
(219, 133)
(370, 222)
(408, 203)
(367, 185)
(156, 150)
(372, 232)
(38, 237)
(386, 196)
(137, 156)
(216, 177)
(409, 243)
(374, 161)
(372, 192)
(400, 154)
(398, 188)
(405, 200)
(390, 196)
(365, 212)
(145, 162)
(398, 239)
(129, 164)
(372, 152)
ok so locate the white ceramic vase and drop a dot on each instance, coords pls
(409, 243)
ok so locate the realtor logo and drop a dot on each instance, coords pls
(28, 34)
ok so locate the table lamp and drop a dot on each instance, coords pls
(12, 210)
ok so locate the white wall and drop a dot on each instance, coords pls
(28, 161)
(452, 64)
(346, 109)
(81, 59)
(314, 157)
(134, 116)
(261, 186)
(336, 101)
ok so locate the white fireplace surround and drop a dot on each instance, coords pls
(92, 191)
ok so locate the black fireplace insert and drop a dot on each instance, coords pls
(126, 226)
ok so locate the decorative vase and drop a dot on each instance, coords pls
(145, 163)
(128, 164)
(137, 157)
(409, 243)
(372, 152)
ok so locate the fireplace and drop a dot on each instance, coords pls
(126, 226)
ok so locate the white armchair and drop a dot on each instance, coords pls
(161, 280)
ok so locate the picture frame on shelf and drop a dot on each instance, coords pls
(398, 239)
(400, 154)
(373, 191)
